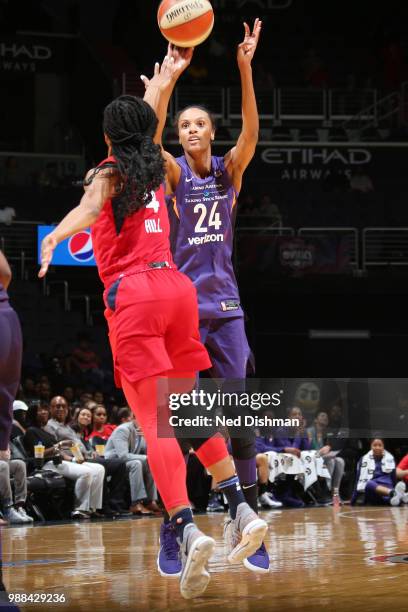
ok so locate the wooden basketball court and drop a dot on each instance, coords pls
(320, 559)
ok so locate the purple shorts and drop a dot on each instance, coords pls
(227, 346)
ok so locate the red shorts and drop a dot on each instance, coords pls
(153, 325)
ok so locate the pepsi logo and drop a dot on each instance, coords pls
(80, 247)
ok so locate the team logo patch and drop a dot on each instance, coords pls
(227, 305)
(80, 246)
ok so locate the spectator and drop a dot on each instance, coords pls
(317, 435)
(19, 419)
(360, 181)
(292, 440)
(115, 469)
(29, 389)
(376, 478)
(13, 511)
(100, 427)
(285, 489)
(91, 405)
(43, 391)
(88, 477)
(98, 397)
(85, 397)
(124, 415)
(127, 443)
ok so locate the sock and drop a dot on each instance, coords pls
(262, 488)
(180, 520)
(246, 470)
(233, 492)
(250, 491)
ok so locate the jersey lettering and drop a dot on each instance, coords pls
(152, 226)
(154, 203)
(214, 219)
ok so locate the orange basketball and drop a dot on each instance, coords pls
(185, 23)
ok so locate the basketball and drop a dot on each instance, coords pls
(185, 23)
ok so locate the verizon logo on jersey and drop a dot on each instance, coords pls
(207, 238)
(152, 226)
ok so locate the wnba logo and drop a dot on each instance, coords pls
(80, 247)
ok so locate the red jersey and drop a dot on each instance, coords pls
(143, 238)
(104, 434)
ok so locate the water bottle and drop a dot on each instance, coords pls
(336, 499)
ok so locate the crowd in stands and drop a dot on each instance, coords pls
(77, 452)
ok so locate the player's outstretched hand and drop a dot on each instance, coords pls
(246, 50)
(47, 249)
(174, 64)
(182, 58)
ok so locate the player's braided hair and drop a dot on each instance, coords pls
(131, 124)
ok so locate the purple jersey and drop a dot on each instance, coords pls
(202, 216)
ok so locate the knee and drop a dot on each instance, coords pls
(134, 466)
(4, 470)
(340, 463)
(371, 486)
(19, 467)
(99, 471)
(86, 477)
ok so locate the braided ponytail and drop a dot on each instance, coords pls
(130, 123)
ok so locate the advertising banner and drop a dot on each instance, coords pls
(75, 251)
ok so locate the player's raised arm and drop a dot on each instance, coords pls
(238, 158)
(158, 93)
(97, 191)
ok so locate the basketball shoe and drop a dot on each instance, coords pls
(196, 549)
(168, 559)
(244, 535)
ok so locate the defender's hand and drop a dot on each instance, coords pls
(48, 246)
(174, 64)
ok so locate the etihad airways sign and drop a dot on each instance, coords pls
(314, 163)
(316, 156)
